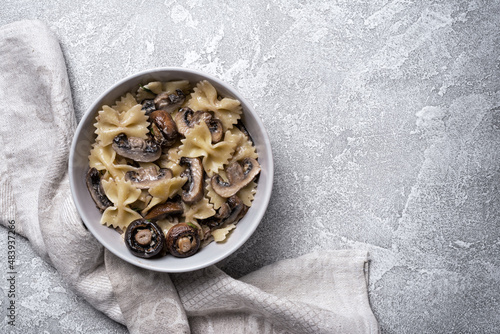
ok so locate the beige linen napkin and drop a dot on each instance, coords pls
(323, 292)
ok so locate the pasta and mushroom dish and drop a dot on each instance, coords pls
(172, 167)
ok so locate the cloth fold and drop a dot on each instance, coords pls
(324, 292)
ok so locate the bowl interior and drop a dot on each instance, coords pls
(78, 167)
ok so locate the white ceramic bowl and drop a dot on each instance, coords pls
(79, 164)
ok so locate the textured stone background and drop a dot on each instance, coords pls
(384, 118)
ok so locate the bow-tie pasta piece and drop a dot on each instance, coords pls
(166, 189)
(110, 123)
(244, 147)
(172, 86)
(125, 103)
(121, 193)
(198, 143)
(149, 91)
(104, 159)
(205, 98)
(154, 88)
(200, 210)
(221, 234)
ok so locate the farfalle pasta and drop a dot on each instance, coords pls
(172, 167)
(205, 97)
(111, 122)
(198, 143)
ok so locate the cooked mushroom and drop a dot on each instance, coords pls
(96, 191)
(166, 125)
(137, 149)
(244, 130)
(182, 240)
(160, 211)
(237, 209)
(170, 102)
(148, 106)
(231, 211)
(157, 135)
(186, 119)
(193, 188)
(214, 125)
(145, 178)
(239, 175)
(144, 238)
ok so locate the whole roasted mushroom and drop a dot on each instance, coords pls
(96, 191)
(144, 238)
(193, 188)
(163, 128)
(186, 119)
(182, 240)
(238, 174)
(137, 149)
(169, 102)
(148, 177)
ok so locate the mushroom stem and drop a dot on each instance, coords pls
(184, 244)
(143, 237)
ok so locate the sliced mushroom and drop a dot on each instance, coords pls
(183, 120)
(169, 102)
(244, 130)
(182, 240)
(166, 125)
(239, 175)
(237, 208)
(214, 125)
(96, 190)
(186, 119)
(169, 208)
(193, 188)
(137, 149)
(157, 135)
(144, 238)
(148, 106)
(145, 178)
(231, 211)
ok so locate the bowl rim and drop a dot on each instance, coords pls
(265, 191)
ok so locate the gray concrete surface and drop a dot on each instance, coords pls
(384, 118)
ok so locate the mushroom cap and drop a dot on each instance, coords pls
(182, 240)
(144, 238)
(166, 124)
(137, 149)
(193, 188)
(169, 102)
(168, 208)
(157, 135)
(239, 175)
(96, 190)
(148, 177)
